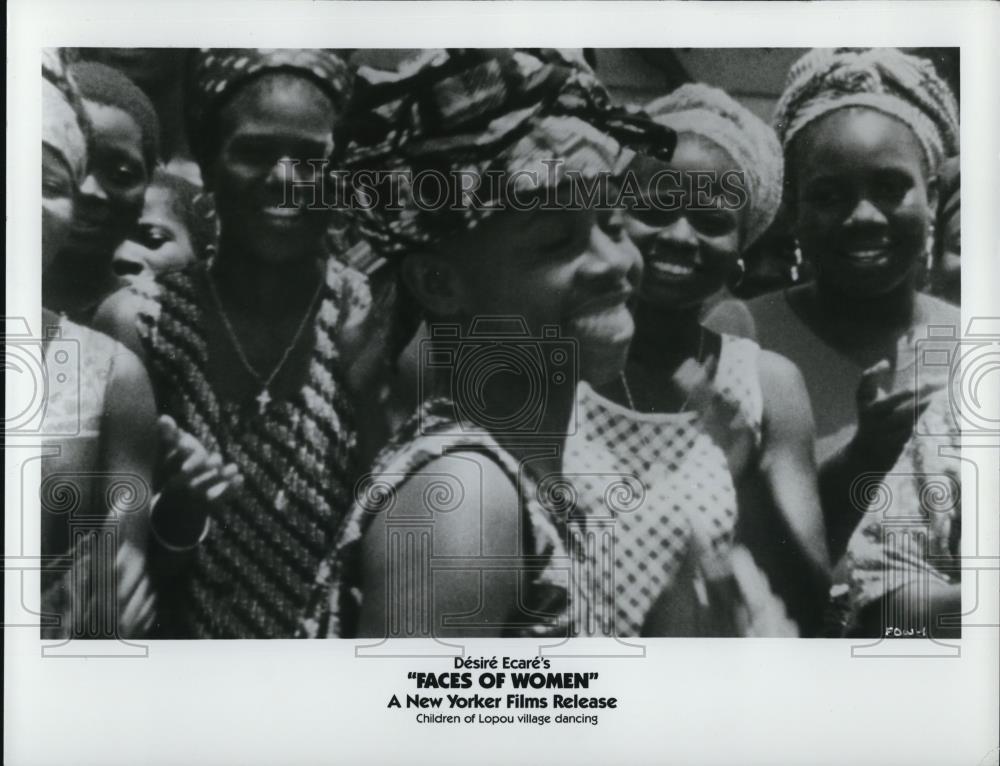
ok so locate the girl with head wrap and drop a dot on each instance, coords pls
(863, 133)
(250, 353)
(717, 431)
(100, 416)
(122, 154)
(511, 291)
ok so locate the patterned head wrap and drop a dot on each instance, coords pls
(885, 79)
(711, 113)
(218, 73)
(105, 85)
(63, 124)
(503, 113)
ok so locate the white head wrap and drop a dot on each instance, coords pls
(61, 127)
(713, 114)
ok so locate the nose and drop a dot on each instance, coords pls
(865, 213)
(286, 170)
(679, 234)
(128, 260)
(91, 187)
(614, 259)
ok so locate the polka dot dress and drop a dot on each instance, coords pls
(650, 478)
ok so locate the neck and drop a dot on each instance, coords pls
(890, 310)
(266, 288)
(665, 337)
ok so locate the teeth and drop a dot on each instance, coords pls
(283, 212)
(878, 254)
(674, 269)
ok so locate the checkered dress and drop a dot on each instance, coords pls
(685, 480)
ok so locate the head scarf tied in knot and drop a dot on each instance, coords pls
(711, 113)
(531, 118)
(63, 124)
(885, 79)
(218, 73)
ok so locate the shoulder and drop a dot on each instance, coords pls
(475, 477)
(349, 286)
(933, 310)
(777, 370)
(786, 403)
(467, 496)
(121, 312)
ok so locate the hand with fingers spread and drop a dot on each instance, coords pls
(885, 421)
(194, 479)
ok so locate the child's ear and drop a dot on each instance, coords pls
(434, 283)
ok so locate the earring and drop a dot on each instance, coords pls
(929, 248)
(741, 265)
(793, 271)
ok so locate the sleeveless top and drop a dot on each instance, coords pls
(251, 576)
(910, 535)
(684, 480)
(79, 364)
(432, 432)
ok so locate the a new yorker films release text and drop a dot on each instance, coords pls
(503, 691)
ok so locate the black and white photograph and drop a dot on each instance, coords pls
(512, 369)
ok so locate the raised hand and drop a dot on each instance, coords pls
(194, 478)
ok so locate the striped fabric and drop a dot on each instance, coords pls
(251, 576)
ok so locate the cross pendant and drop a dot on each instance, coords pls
(262, 400)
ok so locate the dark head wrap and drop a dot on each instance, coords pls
(104, 85)
(218, 73)
(484, 111)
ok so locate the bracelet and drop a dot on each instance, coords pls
(170, 546)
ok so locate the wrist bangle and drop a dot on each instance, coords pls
(171, 546)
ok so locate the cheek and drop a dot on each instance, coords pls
(57, 211)
(639, 235)
(912, 217)
(57, 217)
(722, 252)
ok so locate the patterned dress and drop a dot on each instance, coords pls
(430, 433)
(910, 535)
(679, 482)
(79, 364)
(251, 576)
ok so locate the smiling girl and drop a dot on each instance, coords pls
(465, 462)
(864, 132)
(718, 432)
(250, 354)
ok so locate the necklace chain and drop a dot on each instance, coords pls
(687, 400)
(264, 396)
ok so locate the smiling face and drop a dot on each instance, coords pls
(112, 193)
(574, 269)
(862, 202)
(58, 194)
(273, 120)
(689, 242)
